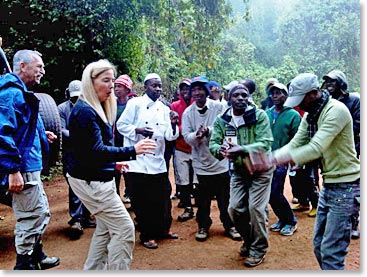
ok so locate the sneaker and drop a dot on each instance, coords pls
(170, 235)
(244, 252)
(150, 244)
(201, 235)
(300, 208)
(77, 227)
(49, 262)
(233, 234)
(126, 200)
(276, 227)
(175, 196)
(355, 234)
(288, 230)
(186, 215)
(313, 212)
(253, 261)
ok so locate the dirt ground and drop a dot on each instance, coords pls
(217, 253)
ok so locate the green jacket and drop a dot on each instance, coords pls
(333, 143)
(254, 135)
(284, 127)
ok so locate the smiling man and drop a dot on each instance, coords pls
(212, 174)
(325, 134)
(23, 142)
(284, 122)
(337, 86)
(241, 129)
(146, 116)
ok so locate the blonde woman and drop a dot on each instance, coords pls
(93, 162)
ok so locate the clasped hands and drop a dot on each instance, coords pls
(253, 161)
(203, 131)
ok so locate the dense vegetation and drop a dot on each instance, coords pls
(224, 40)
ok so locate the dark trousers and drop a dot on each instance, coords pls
(305, 184)
(213, 185)
(277, 201)
(151, 204)
(127, 191)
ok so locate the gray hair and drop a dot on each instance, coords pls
(23, 56)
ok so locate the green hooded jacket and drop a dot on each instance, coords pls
(284, 127)
(254, 135)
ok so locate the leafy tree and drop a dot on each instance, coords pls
(185, 38)
(324, 35)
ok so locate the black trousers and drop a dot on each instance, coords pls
(305, 185)
(213, 185)
(151, 203)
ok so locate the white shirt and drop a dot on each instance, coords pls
(141, 112)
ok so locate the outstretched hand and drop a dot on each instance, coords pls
(145, 146)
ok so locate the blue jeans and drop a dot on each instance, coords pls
(332, 232)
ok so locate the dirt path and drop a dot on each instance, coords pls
(217, 253)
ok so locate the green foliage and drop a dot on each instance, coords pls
(224, 40)
(55, 171)
(324, 35)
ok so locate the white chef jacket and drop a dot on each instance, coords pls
(141, 112)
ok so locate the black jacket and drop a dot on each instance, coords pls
(93, 154)
(352, 101)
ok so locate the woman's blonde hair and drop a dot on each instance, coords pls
(106, 110)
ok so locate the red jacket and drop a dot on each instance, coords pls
(179, 106)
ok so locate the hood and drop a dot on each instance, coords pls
(284, 108)
(12, 79)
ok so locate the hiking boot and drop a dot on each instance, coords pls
(288, 230)
(201, 235)
(186, 215)
(300, 208)
(233, 234)
(313, 212)
(253, 261)
(25, 262)
(276, 227)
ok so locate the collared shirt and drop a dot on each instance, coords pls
(142, 112)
